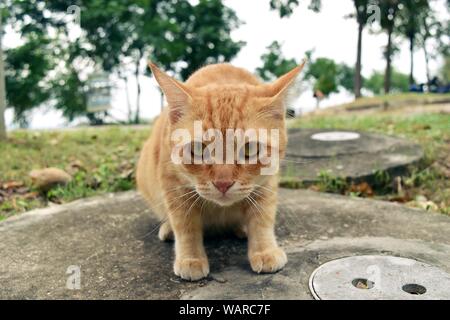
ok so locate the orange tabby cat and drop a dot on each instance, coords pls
(193, 198)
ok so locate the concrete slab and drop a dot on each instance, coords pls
(351, 155)
(108, 239)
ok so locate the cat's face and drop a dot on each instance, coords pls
(230, 111)
(248, 120)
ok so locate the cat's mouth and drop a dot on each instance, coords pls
(224, 200)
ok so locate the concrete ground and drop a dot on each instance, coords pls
(356, 160)
(109, 241)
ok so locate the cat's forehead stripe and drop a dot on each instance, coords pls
(225, 109)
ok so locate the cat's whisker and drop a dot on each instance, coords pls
(155, 228)
(249, 197)
(261, 195)
(203, 204)
(265, 188)
(251, 204)
(256, 202)
(180, 187)
(173, 199)
(263, 114)
(191, 197)
(193, 204)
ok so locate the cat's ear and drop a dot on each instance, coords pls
(286, 89)
(177, 94)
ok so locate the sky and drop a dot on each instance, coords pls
(329, 33)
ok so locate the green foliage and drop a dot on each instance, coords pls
(324, 72)
(274, 63)
(411, 18)
(70, 96)
(117, 35)
(207, 38)
(330, 183)
(26, 72)
(362, 13)
(375, 83)
(101, 160)
(346, 77)
(286, 7)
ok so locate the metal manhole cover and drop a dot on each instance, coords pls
(378, 277)
(335, 136)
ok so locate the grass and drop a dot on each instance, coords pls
(429, 179)
(397, 99)
(100, 160)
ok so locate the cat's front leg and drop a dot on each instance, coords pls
(263, 251)
(191, 262)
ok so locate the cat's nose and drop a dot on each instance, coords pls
(223, 185)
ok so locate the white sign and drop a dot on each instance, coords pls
(335, 136)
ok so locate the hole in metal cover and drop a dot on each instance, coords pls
(413, 288)
(361, 283)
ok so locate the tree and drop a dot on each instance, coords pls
(346, 77)
(445, 71)
(119, 35)
(362, 15)
(205, 30)
(375, 83)
(324, 73)
(286, 7)
(411, 24)
(175, 34)
(2, 87)
(389, 16)
(274, 63)
(432, 28)
(27, 72)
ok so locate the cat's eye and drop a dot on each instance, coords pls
(197, 151)
(250, 151)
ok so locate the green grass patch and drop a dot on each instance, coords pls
(397, 99)
(101, 160)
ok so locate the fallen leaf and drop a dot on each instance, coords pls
(363, 188)
(12, 185)
(314, 188)
(31, 195)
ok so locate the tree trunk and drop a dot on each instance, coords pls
(2, 89)
(411, 53)
(427, 61)
(388, 72)
(127, 97)
(138, 84)
(358, 78)
(127, 92)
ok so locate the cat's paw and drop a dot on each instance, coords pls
(165, 232)
(240, 232)
(268, 261)
(191, 268)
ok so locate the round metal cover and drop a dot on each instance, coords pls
(335, 136)
(378, 277)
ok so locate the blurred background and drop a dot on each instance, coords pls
(77, 99)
